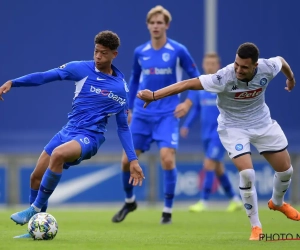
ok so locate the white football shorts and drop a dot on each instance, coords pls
(267, 139)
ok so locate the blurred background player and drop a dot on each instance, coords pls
(101, 92)
(205, 103)
(157, 64)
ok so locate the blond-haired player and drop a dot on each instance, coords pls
(157, 64)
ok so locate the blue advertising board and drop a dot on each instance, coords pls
(191, 176)
(2, 185)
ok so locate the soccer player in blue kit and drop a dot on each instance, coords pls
(157, 63)
(101, 92)
(206, 104)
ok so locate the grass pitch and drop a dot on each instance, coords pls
(93, 229)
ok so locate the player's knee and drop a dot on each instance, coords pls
(168, 162)
(210, 164)
(247, 178)
(57, 156)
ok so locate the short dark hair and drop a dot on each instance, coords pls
(108, 39)
(248, 50)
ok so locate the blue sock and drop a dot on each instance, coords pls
(32, 197)
(128, 188)
(48, 184)
(170, 178)
(225, 183)
(207, 185)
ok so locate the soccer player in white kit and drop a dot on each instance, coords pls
(245, 119)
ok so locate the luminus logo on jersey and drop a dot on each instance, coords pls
(109, 94)
(158, 71)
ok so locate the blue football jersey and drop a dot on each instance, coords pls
(155, 69)
(97, 95)
(204, 103)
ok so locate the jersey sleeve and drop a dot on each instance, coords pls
(125, 135)
(70, 71)
(188, 63)
(275, 64)
(214, 83)
(134, 79)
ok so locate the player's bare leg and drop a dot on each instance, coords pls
(167, 157)
(38, 172)
(281, 163)
(130, 202)
(248, 192)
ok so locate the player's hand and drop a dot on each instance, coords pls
(290, 84)
(129, 116)
(181, 110)
(4, 89)
(184, 132)
(136, 174)
(146, 95)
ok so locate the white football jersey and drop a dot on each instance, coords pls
(242, 104)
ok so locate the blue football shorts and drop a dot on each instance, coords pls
(213, 149)
(161, 129)
(90, 142)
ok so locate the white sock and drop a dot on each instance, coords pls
(130, 200)
(167, 210)
(249, 195)
(281, 183)
(36, 208)
(236, 198)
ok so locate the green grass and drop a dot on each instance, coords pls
(93, 229)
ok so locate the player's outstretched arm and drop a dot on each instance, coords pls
(287, 71)
(176, 88)
(34, 79)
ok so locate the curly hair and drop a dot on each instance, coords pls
(108, 39)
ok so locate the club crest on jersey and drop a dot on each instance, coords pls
(239, 147)
(62, 66)
(247, 206)
(166, 57)
(263, 81)
(125, 86)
